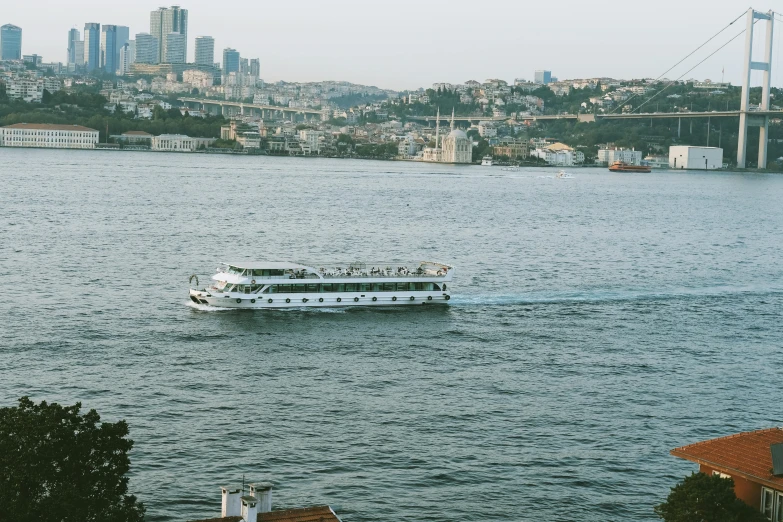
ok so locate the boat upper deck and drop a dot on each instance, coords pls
(239, 273)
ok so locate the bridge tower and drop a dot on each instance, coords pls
(749, 119)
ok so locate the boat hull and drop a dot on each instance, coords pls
(320, 300)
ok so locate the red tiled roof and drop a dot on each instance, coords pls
(746, 454)
(49, 126)
(311, 514)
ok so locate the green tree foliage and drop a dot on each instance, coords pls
(59, 465)
(706, 498)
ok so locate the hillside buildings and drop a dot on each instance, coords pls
(542, 77)
(48, 136)
(10, 42)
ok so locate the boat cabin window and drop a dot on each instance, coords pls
(266, 273)
(346, 287)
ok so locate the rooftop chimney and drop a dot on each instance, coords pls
(263, 492)
(232, 506)
(249, 509)
(777, 459)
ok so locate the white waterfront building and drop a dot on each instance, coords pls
(701, 158)
(609, 156)
(48, 136)
(179, 143)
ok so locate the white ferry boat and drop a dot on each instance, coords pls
(289, 285)
(486, 161)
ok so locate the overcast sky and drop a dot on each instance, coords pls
(406, 44)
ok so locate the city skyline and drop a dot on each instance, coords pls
(514, 51)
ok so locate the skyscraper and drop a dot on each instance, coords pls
(109, 48)
(79, 52)
(230, 61)
(255, 67)
(543, 77)
(205, 50)
(175, 48)
(10, 42)
(123, 37)
(167, 20)
(146, 48)
(73, 37)
(92, 46)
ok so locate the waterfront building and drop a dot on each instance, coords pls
(609, 156)
(751, 459)
(543, 77)
(512, 148)
(48, 136)
(560, 155)
(205, 50)
(163, 22)
(174, 51)
(10, 42)
(179, 143)
(73, 36)
(698, 158)
(92, 46)
(109, 51)
(146, 49)
(230, 61)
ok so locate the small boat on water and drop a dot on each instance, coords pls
(564, 175)
(486, 161)
(292, 285)
(621, 166)
(511, 169)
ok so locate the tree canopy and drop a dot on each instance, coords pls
(706, 498)
(59, 465)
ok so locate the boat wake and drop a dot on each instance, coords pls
(599, 296)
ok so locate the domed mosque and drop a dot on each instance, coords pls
(457, 147)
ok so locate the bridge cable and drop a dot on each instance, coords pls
(692, 68)
(678, 63)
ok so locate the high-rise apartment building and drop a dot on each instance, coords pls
(175, 48)
(73, 36)
(163, 22)
(10, 42)
(543, 77)
(205, 50)
(127, 57)
(92, 46)
(109, 48)
(230, 61)
(146, 48)
(255, 67)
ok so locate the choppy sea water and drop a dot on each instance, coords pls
(596, 323)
